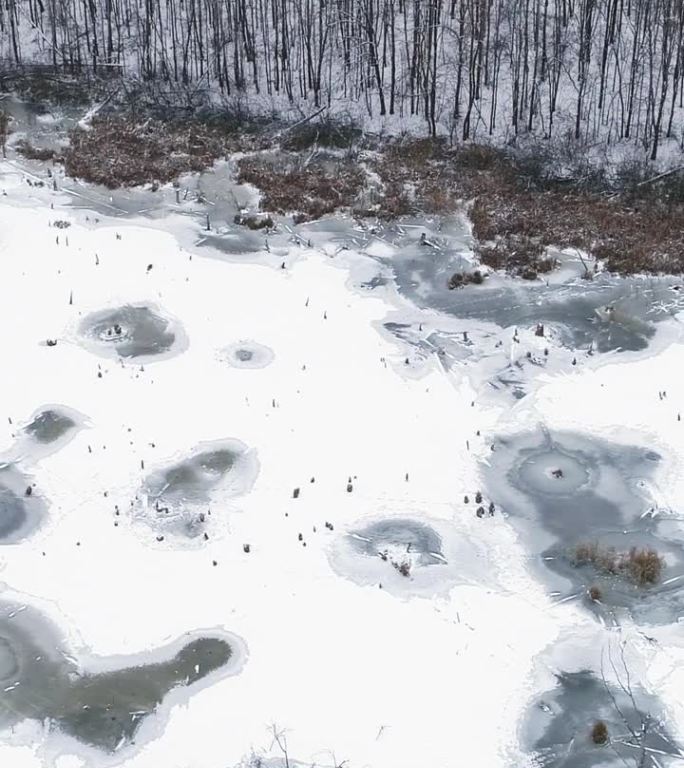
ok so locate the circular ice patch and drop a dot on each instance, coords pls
(558, 726)
(178, 497)
(49, 426)
(192, 478)
(131, 331)
(551, 472)
(399, 541)
(408, 555)
(9, 660)
(247, 354)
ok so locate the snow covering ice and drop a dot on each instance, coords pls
(363, 485)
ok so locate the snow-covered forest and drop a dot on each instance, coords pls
(593, 70)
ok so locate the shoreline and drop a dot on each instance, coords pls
(521, 201)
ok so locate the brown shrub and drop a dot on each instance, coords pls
(640, 566)
(124, 152)
(595, 593)
(518, 254)
(644, 566)
(599, 732)
(640, 231)
(518, 220)
(254, 222)
(461, 279)
(312, 190)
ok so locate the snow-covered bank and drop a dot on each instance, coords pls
(373, 676)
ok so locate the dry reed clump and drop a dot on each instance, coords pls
(641, 566)
(309, 190)
(599, 732)
(123, 152)
(595, 593)
(461, 279)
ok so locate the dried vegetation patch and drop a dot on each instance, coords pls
(518, 208)
(641, 566)
(308, 189)
(120, 152)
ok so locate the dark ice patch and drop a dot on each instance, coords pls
(407, 536)
(49, 425)
(558, 729)
(131, 331)
(105, 710)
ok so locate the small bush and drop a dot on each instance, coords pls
(254, 222)
(30, 152)
(595, 593)
(312, 190)
(599, 732)
(461, 279)
(642, 567)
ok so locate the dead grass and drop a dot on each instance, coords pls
(120, 152)
(517, 210)
(641, 566)
(309, 190)
(515, 220)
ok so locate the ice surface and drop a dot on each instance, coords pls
(22, 509)
(606, 313)
(101, 709)
(49, 426)
(583, 490)
(247, 354)
(177, 497)
(559, 724)
(406, 537)
(572, 484)
(131, 332)
(650, 604)
(400, 390)
(408, 555)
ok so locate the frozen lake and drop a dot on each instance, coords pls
(278, 495)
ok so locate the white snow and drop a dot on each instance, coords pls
(388, 678)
